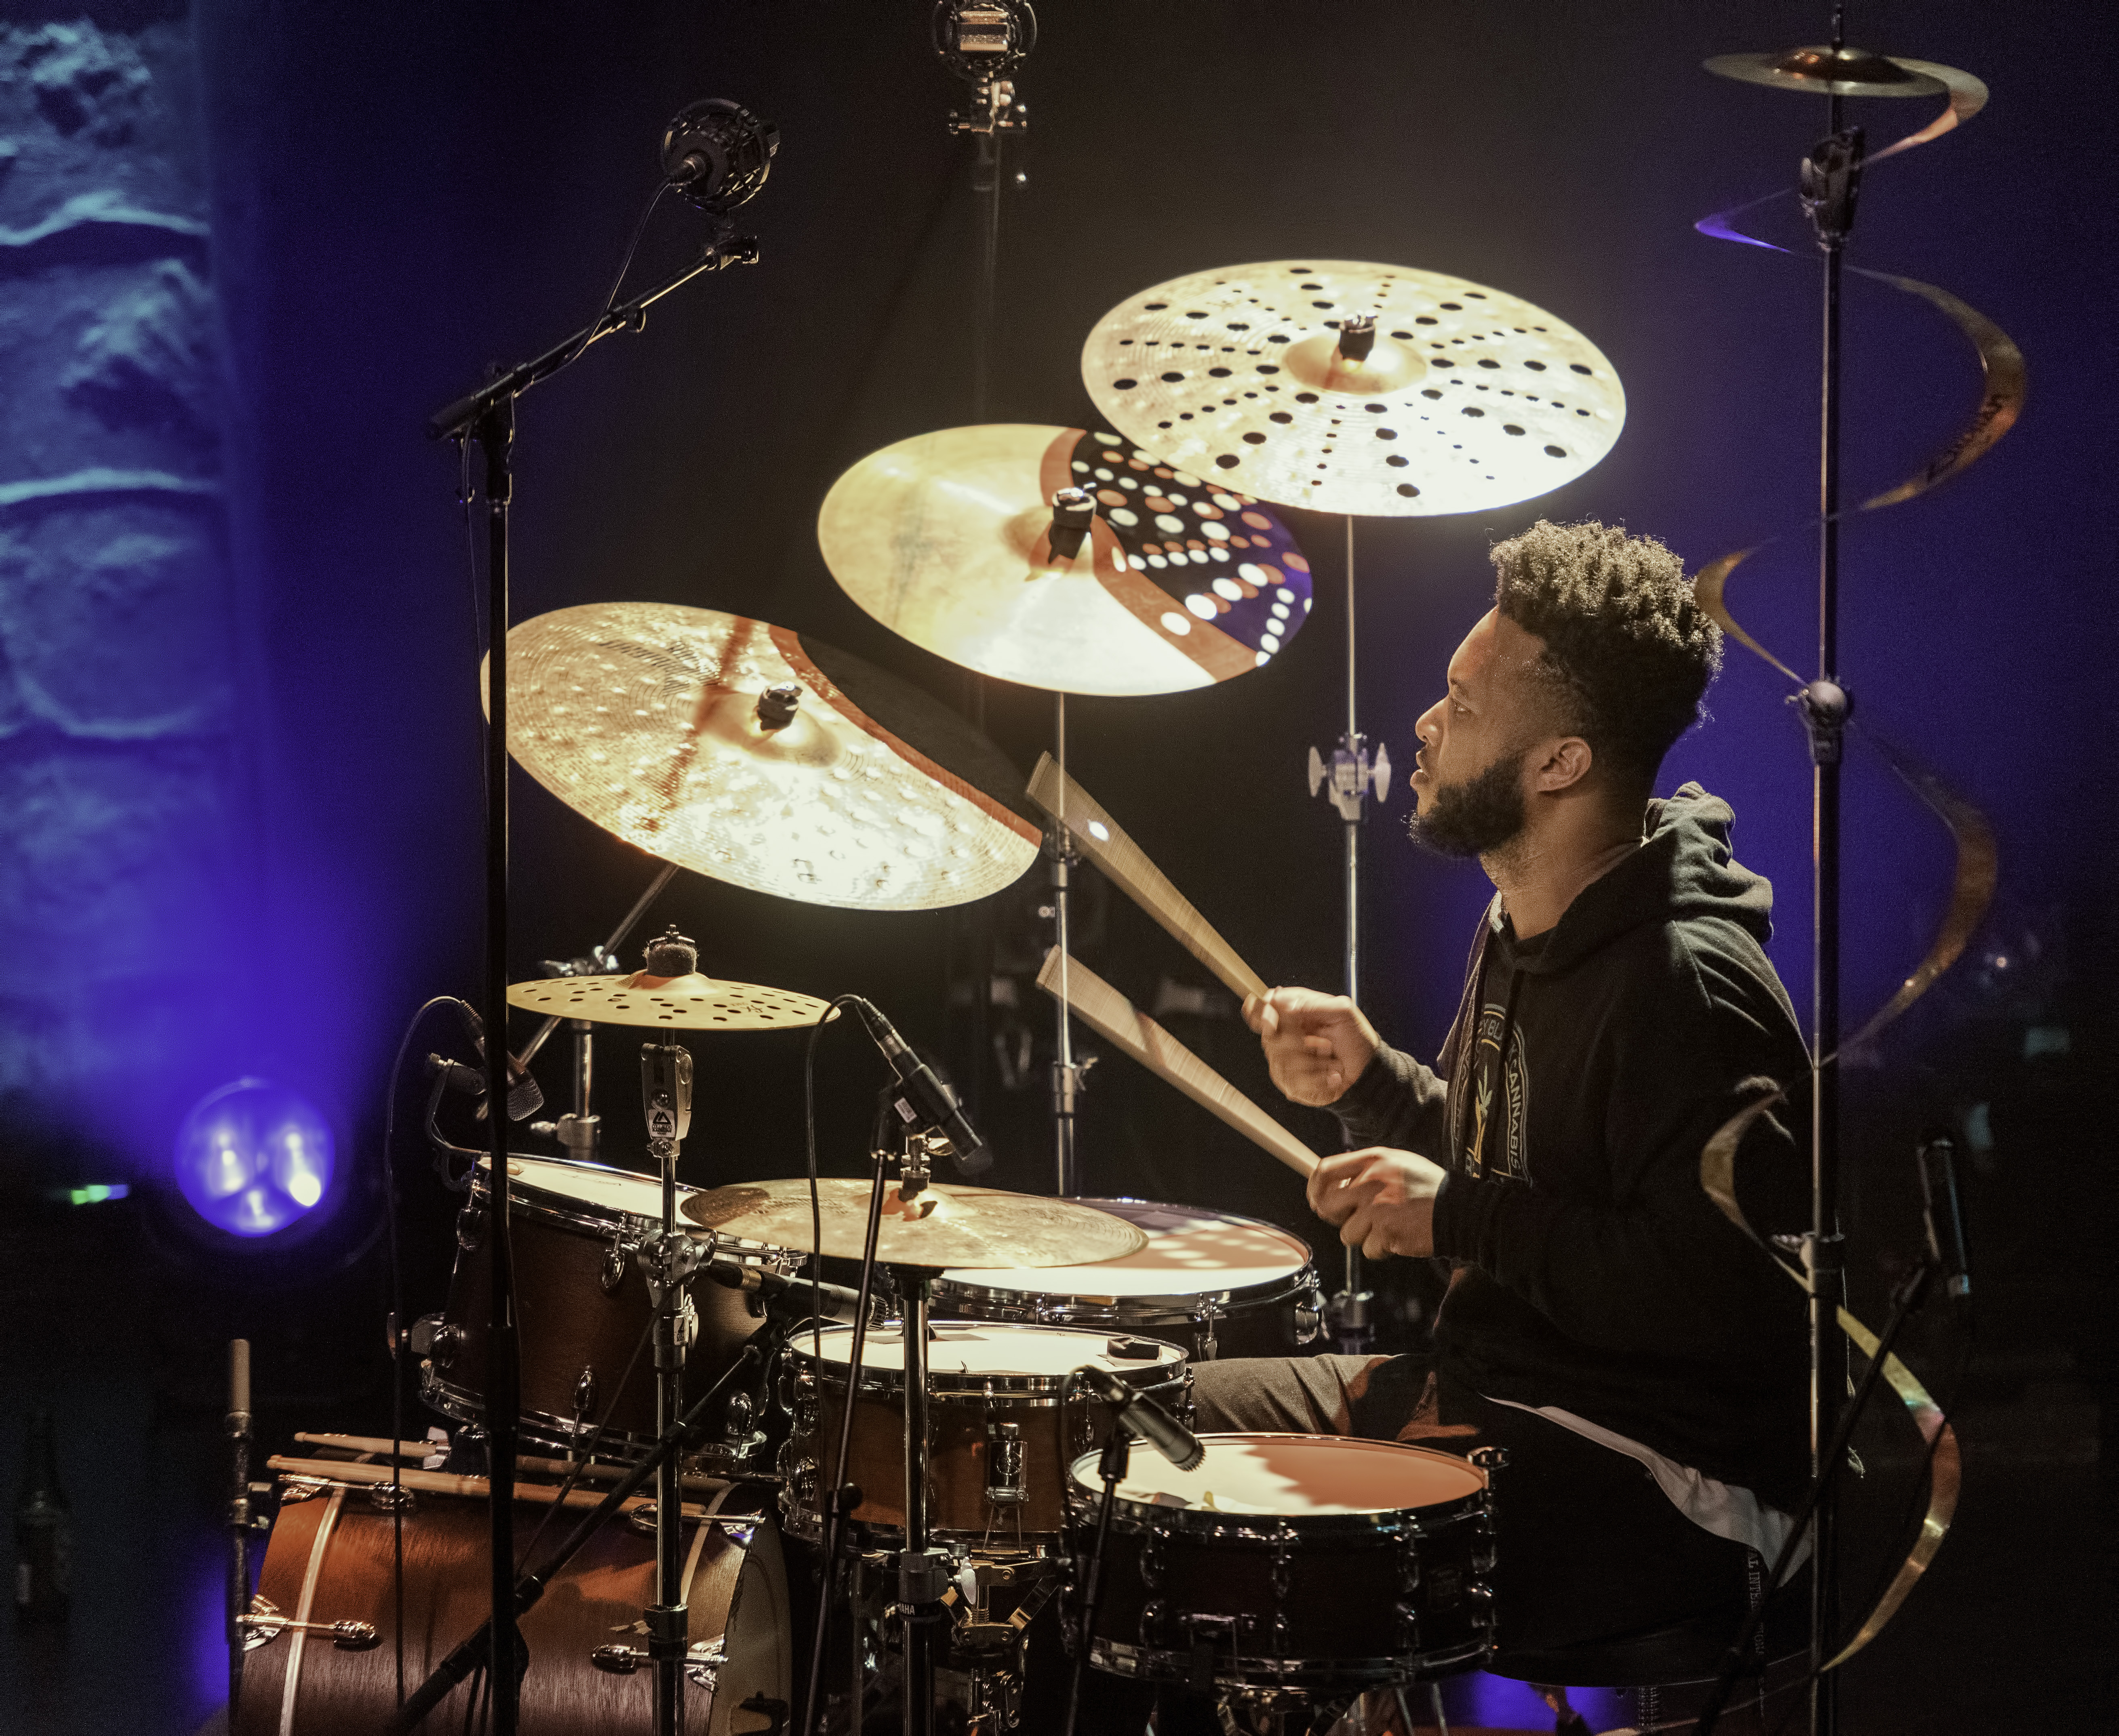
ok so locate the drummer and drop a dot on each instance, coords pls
(1642, 1364)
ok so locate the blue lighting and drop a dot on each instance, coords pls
(253, 1156)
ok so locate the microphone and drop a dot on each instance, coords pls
(1944, 1212)
(1144, 1419)
(717, 154)
(924, 1097)
(525, 1095)
(784, 1297)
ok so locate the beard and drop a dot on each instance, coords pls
(1474, 818)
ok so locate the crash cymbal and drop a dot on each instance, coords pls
(1462, 398)
(1827, 71)
(744, 752)
(1180, 583)
(688, 1003)
(942, 1225)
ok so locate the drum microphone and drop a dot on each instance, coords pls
(924, 1097)
(784, 1297)
(525, 1095)
(717, 153)
(1144, 1419)
(1944, 1213)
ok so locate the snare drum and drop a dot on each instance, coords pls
(1213, 1283)
(584, 1310)
(330, 1561)
(1290, 1567)
(1001, 1429)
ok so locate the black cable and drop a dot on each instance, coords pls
(618, 283)
(397, 1282)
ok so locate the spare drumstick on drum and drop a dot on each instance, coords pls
(1110, 1014)
(1101, 839)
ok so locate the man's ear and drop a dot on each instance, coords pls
(1563, 764)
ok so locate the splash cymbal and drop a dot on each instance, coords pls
(942, 1225)
(692, 1001)
(1459, 399)
(751, 755)
(1828, 71)
(1179, 583)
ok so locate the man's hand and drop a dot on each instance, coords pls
(1382, 1201)
(1315, 1044)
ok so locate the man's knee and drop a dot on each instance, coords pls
(1300, 1394)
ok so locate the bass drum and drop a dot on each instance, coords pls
(1213, 1284)
(330, 1561)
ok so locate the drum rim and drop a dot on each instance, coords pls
(1085, 1491)
(527, 1199)
(1264, 1678)
(952, 1386)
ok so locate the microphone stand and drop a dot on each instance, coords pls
(1112, 1467)
(487, 416)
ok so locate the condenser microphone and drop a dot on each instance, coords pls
(525, 1095)
(717, 153)
(1145, 1418)
(784, 1297)
(924, 1097)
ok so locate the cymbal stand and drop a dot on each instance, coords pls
(579, 1131)
(1346, 781)
(923, 1572)
(1066, 1075)
(1112, 1468)
(668, 1261)
(487, 416)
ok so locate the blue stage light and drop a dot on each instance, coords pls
(253, 1156)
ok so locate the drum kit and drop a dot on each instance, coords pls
(946, 1459)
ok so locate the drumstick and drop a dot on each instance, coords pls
(1101, 840)
(599, 1470)
(1104, 1010)
(445, 1483)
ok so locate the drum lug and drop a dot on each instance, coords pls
(1408, 1626)
(585, 1394)
(265, 1624)
(1483, 1613)
(617, 1660)
(1004, 1484)
(617, 1257)
(1209, 1346)
(702, 1665)
(294, 1490)
(433, 1338)
(1408, 1565)
(1308, 1317)
(1151, 1561)
(1283, 1569)
(390, 1497)
(1151, 1614)
(470, 1225)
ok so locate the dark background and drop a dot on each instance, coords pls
(398, 195)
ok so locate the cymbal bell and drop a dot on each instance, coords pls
(1178, 583)
(692, 1001)
(746, 752)
(1351, 387)
(942, 1225)
(1829, 72)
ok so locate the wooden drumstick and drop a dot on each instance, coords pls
(1109, 1013)
(1104, 842)
(446, 1483)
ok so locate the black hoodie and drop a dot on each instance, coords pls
(1593, 1273)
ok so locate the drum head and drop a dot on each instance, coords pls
(596, 1186)
(961, 1353)
(1294, 1476)
(1190, 1251)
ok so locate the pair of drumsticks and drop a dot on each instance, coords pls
(1104, 1010)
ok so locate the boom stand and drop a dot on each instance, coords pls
(1066, 1075)
(923, 1573)
(488, 417)
(1347, 782)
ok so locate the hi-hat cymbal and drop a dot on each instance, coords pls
(742, 752)
(1827, 71)
(692, 1001)
(1469, 398)
(942, 1225)
(945, 538)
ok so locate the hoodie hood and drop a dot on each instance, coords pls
(1683, 871)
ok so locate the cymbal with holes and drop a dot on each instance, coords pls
(1179, 582)
(1465, 399)
(746, 752)
(692, 1001)
(942, 1225)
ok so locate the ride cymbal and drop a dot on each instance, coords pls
(1829, 72)
(744, 752)
(1178, 582)
(942, 1225)
(1348, 388)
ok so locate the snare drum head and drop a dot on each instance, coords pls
(1190, 1251)
(963, 1352)
(596, 1186)
(1296, 1476)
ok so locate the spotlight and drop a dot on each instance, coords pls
(253, 1156)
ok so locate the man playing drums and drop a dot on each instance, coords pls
(1642, 1364)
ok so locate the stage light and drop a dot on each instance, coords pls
(253, 1156)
